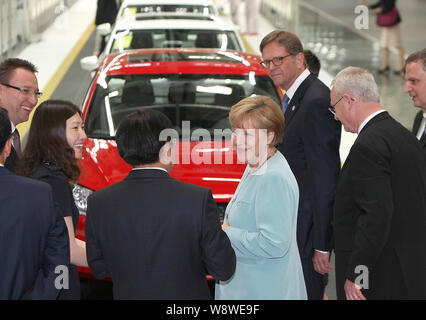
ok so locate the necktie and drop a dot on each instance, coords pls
(284, 104)
(17, 142)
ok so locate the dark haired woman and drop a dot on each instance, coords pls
(54, 145)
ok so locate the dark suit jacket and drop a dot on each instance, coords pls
(311, 147)
(157, 238)
(33, 239)
(380, 212)
(12, 160)
(416, 126)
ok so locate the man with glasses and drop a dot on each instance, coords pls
(311, 147)
(380, 207)
(19, 94)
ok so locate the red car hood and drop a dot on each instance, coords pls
(208, 164)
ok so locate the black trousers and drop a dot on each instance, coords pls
(315, 282)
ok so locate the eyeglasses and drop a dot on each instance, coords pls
(332, 109)
(25, 91)
(277, 61)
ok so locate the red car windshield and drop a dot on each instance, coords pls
(204, 100)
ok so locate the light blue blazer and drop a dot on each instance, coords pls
(263, 216)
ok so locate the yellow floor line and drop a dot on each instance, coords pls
(57, 77)
(249, 48)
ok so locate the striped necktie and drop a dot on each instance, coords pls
(284, 103)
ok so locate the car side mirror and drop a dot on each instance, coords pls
(104, 29)
(89, 63)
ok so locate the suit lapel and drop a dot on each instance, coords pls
(423, 141)
(417, 122)
(294, 103)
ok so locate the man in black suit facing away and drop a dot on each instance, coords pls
(311, 147)
(33, 237)
(380, 206)
(415, 74)
(154, 235)
(19, 95)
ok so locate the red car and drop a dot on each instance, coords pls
(195, 88)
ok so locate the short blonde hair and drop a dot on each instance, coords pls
(263, 112)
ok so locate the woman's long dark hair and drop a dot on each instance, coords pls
(47, 141)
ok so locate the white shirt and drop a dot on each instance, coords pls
(296, 84)
(371, 116)
(422, 127)
(156, 168)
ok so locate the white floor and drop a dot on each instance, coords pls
(59, 39)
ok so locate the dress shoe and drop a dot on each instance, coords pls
(383, 70)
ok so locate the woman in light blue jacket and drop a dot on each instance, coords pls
(261, 218)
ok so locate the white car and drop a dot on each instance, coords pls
(168, 30)
(132, 7)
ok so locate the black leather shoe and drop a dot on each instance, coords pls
(381, 71)
(399, 72)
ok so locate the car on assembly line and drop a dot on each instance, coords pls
(132, 7)
(168, 30)
(195, 88)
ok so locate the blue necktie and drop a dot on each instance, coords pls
(284, 104)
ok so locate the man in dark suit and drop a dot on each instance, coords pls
(380, 206)
(19, 94)
(311, 147)
(154, 235)
(415, 74)
(33, 238)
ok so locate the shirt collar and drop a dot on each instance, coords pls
(155, 168)
(371, 116)
(13, 126)
(292, 90)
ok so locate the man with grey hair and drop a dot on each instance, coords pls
(415, 75)
(380, 204)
